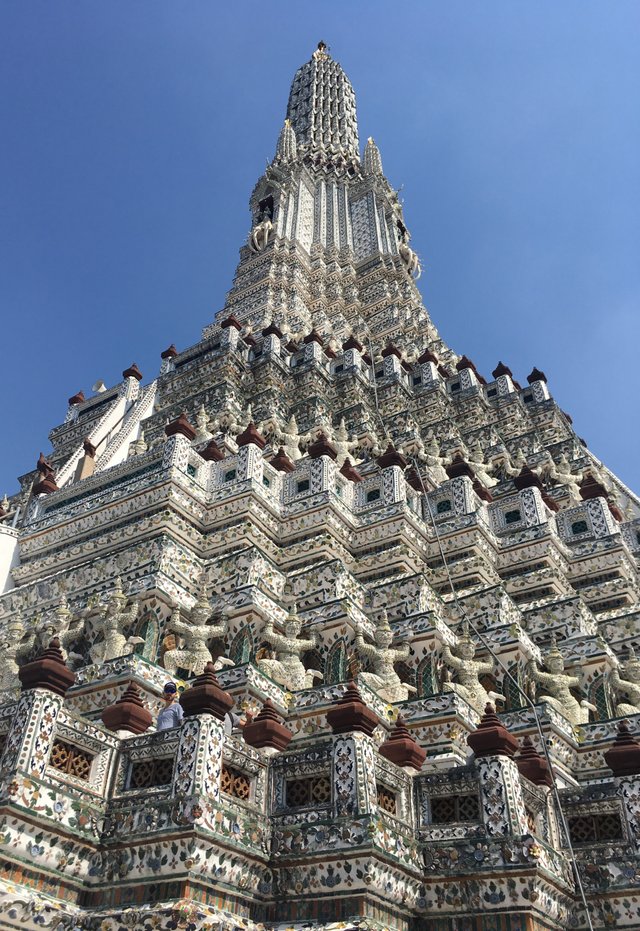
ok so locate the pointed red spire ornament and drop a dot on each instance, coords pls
(402, 748)
(413, 478)
(281, 461)
(128, 713)
(352, 343)
(532, 765)
(502, 369)
(169, 353)
(133, 372)
(527, 479)
(350, 713)
(231, 320)
(428, 356)
(48, 671)
(322, 447)
(212, 452)
(180, 427)
(266, 730)
(491, 738)
(349, 471)
(206, 697)
(251, 436)
(391, 457)
(77, 398)
(313, 337)
(623, 757)
(536, 375)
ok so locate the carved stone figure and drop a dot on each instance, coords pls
(500, 464)
(475, 458)
(112, 622)
(260, 235)
(468, 671)
(557, 686)
(288, 437)
(434, 460)
(13, 650)
(65, 630)
(384, 679)
(287, 668)
(343, 443)
(625, 681)
(560, 474)
(202, 426)
(196, 634)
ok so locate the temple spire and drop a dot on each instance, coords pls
(286, 148)
(372, 159)
(322, 107)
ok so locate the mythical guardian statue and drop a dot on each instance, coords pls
(468, 671)
(625, 681)
(196, 633)
(384, 679)
(287, 668)
(114, 619)
(557, 686)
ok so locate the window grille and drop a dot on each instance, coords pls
(579, 526)
(235, 783)
(512, 517)
(313, 791)
(303, 485)
(443, 507)
(191, 470)
(147, 774)
(451, 808)
(71, 760)
(373, 495)
(230, 475)
(387, 799)
(588, 829)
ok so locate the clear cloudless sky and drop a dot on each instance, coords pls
(132, 134)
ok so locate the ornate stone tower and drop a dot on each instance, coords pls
(342, 543)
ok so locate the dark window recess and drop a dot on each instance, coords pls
(302, 485)
(455, 387)
(145, 774)
(266, 481)
(338, 369)
(492, 392)
(71, 760)
(230, 475)
(256, 353)
(417, 379)
(512, 517)
(579, 526)
(527, 397)
(638, 536)
(380, 373)
(373, 495)
(589, 829)
(386, 799)
(443, 507)
(192, 471)
(313, 791)
(233, 782)
(452, 808)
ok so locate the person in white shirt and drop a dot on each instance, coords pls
(172, 714)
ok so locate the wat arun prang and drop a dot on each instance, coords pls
(384, 580)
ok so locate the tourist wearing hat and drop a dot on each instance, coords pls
(172, 714)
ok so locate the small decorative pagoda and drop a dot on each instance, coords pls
(399, 599)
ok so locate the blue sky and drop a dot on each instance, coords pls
(133, 133)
